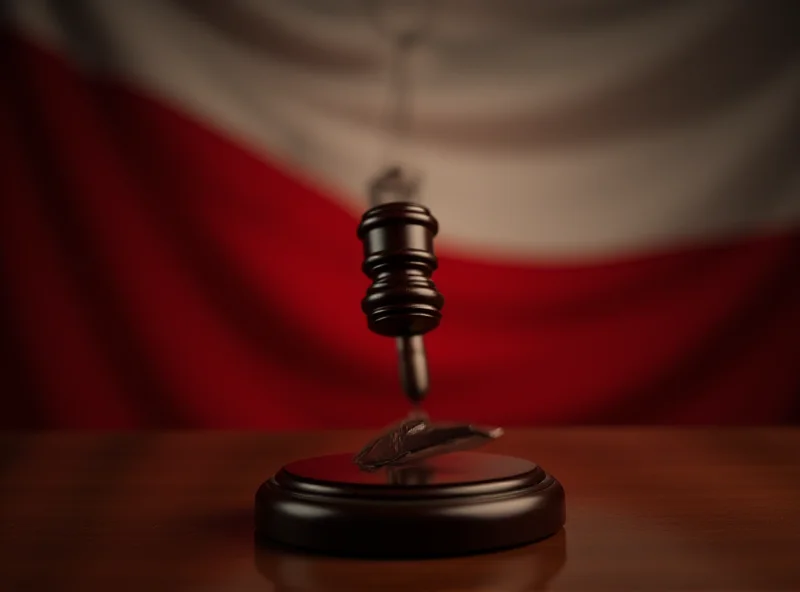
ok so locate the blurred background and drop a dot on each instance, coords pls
(616, 183)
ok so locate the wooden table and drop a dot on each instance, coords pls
(647, 510)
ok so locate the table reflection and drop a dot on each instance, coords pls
(647, 510)
(523, 569)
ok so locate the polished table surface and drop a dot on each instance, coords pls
(647, 509)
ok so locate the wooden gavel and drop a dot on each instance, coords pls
(402, 301)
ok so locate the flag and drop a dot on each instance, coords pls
(616, 185)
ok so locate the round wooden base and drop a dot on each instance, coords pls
(456, 504)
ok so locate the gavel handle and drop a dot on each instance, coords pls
(413, 366)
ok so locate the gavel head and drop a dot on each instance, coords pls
(399, 259)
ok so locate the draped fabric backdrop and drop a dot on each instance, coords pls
(616, 184)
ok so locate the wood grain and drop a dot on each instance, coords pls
(697, 510)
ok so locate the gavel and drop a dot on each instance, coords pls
(399, 258)
(344, 504)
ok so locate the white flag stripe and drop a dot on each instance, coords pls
(693, 183)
